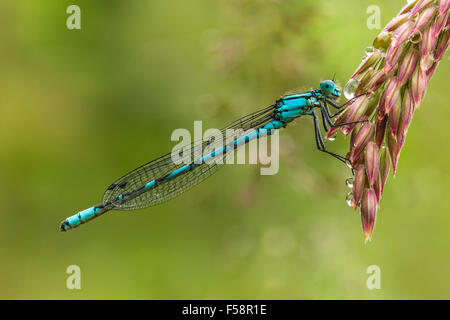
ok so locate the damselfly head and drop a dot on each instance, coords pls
(329, 89)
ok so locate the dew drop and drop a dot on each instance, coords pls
(349, 199)
(349, 164)
(426, 62)
(416, 37)
(349, 182)
(369, 50)
(332, 138)
(350, 88)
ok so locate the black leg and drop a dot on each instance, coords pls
(319, 139)
(335, 105)
(324, 122)
(326, 108)
(321, 145)
(326, 115)
(337, 113)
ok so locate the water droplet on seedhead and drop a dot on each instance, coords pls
(416, 37)
(349, 182)
(349, 164)
(350, 88)
(426, 62)
(369, 50)
(349, 199)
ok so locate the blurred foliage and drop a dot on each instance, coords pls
(80, 108)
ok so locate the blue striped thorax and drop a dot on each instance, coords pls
(295, 105)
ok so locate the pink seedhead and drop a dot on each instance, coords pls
(424, 19)
(395, 77)
(429, 40)
(392, 99)
(365, 82)
(371, 162)
(359, 184)
(360, 109)
(444, 6)
(393, 151)
(407, 8)
(407, 110)
(371, 60)
(407, 66)
(442, 45)
(419, 81)
(439, 25)
(361, 140)
(388, 98)
(419, 6)
(394, 116)
(380, 129)
(368, 212)
(396, 22)
(392, 57)
(378, 80)
(427, 46)
(402, 33)
(385, 165)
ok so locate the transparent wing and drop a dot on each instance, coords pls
(160, 167)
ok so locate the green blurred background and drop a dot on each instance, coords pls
(79, 108)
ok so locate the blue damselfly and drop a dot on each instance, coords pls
(162, 179)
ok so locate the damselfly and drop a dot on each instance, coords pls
(161, 180)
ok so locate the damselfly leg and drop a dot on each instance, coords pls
(326, 121)
(321, 145)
